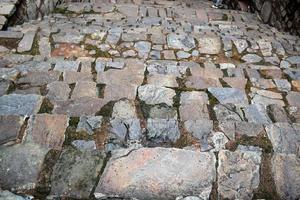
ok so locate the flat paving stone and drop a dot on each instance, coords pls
(10, 128)
(119, 179)
(183, 42)
(209, 45)
(17, 104)
(163, 130)
(229, 95)
(152, 95)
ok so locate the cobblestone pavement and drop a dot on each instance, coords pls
(149, 100)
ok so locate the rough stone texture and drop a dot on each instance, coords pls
(286, 173)
(10, 128)
(229, 95)
(183, 42)
(163, 130)
(209, 45)
(17, 104)
(75, 173)
(47, 130)
(141, 181)
(20, 166)
(152, 95)
(238, 173)
(285, 138)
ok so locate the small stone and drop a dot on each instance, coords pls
(169, 54)
(152, 95)
(163, 130)
(296, 85)
(283, 85)
(67, 65)
(89, 124)
(284, 64)
(241, 45)
(219, 140)
(196, 178)
(251, 58)
(265, 47)
(162, 80)
(143, 48)
(26, 43)
(293, 99)
(116, 64)
(84, 145)
(227, 65)
(124, 109)
(126, 129)
(183, 55)
(294, 60)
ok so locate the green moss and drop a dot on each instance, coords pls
(98, 53)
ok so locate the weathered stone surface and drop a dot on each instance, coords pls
(286, 173)
(89, 124)
(238, 173)
(277, 113)
(67, 65)
(84, 89)
(249, 129)
(71, 77)
(78, 107)
(6, 195)
(10, 127)
(39, 78)
(4, 86)
(251, 58)
(84, 145)
(126, 129)
(124, 109)
(20, 166)
(162, 80)
(163, 183)
(201, 82)
(58, 91)
(257, 113)
(228, 112)
(47, 130)
(17, 104)
(293, 99)
(241, 45)
(209, 45)
(75, 173)
(7, 9)
(266, 97)
(229, 95)
(152, 95)
(163, 130)
(27, 42)
(285, 137)
(183, 42)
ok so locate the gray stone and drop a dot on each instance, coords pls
(183, 55)
(17, 104)
(143, 48)
(163, 130)
(6, 195)
(89, 124)
(293, 99)
(183, 42)
(11, 34)
(283, 85)
(238, 173)
(10, 128)
(285, 137)
(251, 58)
(75, 173)
(58, 91)
(229, 95)
(119, 64)
(84, 89)
(136, 171)
(7, 9)
(162, 112)
(152, 95)
(277, 113)
(126, 129)
(84, 145)
(40, 78)
(228, 112)
(293, 60)
(241, 45)
(249, 129)
(286, 174)
(257, 113)
(67, 65)
(4, 86)
(21, 165)
(27, 41)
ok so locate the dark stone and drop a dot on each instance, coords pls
(266, 11)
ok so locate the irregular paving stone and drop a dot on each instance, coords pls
(193, 97)
(183, 55)
(286, 173)
(193, 111)
(249, 129)
(228, 112)
(21, 165)
(251, 58)
(143, 48)
(257, 113)
(236, 82)
(209, 45)
(11, 34)
(119, 179)
(293, 60)
(227, 65)
(238, 172)
(84, 145)
(4, 86)
(67, 65)
(58, 91)
(162, 112)
(89, 124)
(26, 43)
(84, 89)
(277, 113)
(39, 78)
(17, 104)
(296, 85)
(285, 137)
(75, 173)
(229, 95)
(10, 127)
(126, 129)
(152, 95)
(265, 47)
(293, 99)
(283, 85)
(183, 42)
(163, 130)
(47, 130)
(200, 129)
(265, 97)
(71, 77)
(124, 109)
(162, 80)
(7, 9)
(78, 107)
(165, 67)
(201, 82)
(241, 45)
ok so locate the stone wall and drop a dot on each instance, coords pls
(283, 14)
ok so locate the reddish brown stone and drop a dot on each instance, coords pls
(68, 50)
(47, 130)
